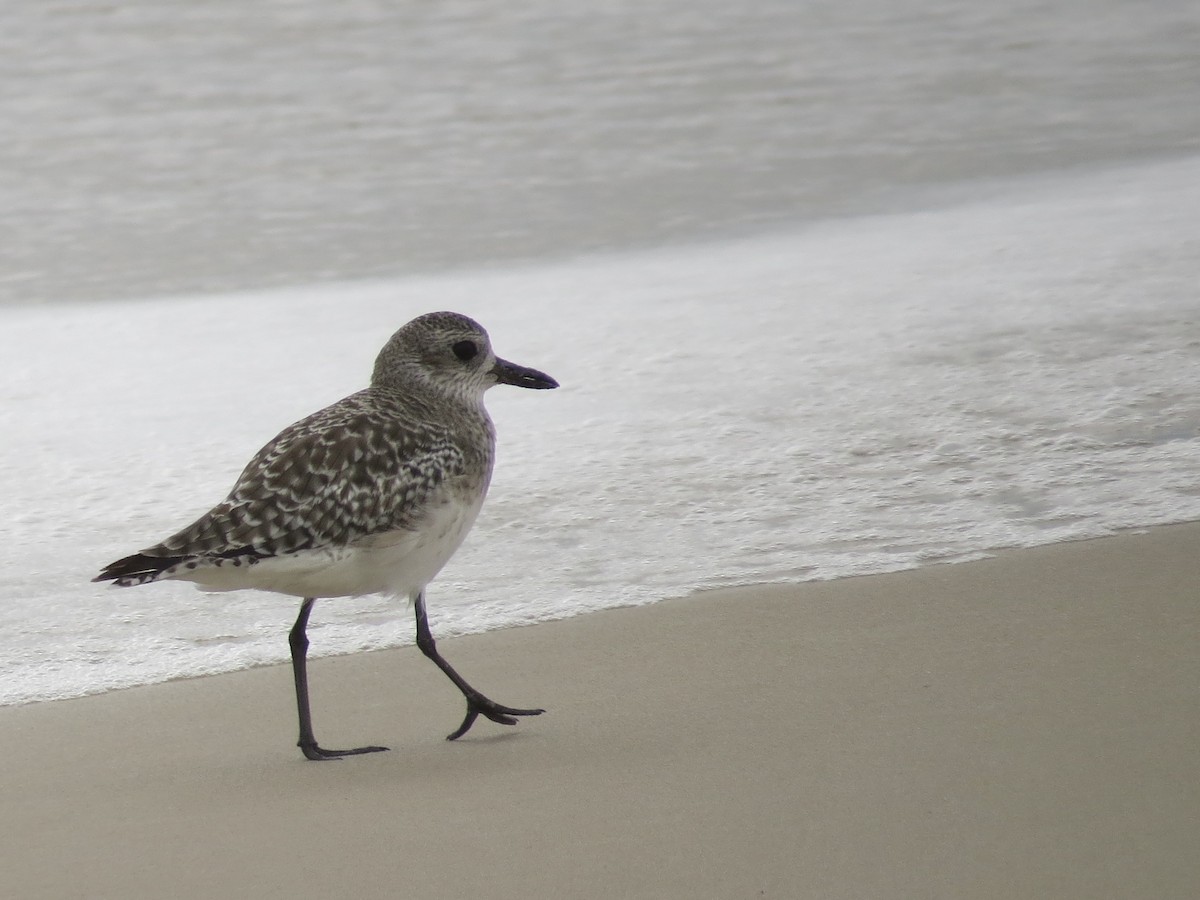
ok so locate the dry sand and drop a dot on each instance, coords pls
(1021, 727)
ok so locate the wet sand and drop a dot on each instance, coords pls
(1023, 726)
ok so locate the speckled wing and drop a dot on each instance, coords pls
(340, 475)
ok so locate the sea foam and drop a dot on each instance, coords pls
(854, 396)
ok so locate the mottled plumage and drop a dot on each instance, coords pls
(372, 494)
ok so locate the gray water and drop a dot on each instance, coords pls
(153, 147)
(762, 381)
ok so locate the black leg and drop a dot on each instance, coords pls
(298, 641)
(477, 704)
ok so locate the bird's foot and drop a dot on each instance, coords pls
(479, 705)
(312, 751)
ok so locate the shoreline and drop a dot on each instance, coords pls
(1023, 725)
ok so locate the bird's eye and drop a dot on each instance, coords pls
(465, 350)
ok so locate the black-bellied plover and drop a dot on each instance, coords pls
(370, 495)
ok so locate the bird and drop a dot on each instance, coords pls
(372, 494)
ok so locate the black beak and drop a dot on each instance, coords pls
(511, 373)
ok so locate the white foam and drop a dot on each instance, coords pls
(860, 396)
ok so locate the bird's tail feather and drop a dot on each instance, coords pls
(137, 569)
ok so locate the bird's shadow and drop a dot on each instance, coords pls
(487, 739)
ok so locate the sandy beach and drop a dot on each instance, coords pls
(1023, 726)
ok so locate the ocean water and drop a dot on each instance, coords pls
(910, 291)
(863, 395)
(153, 149)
